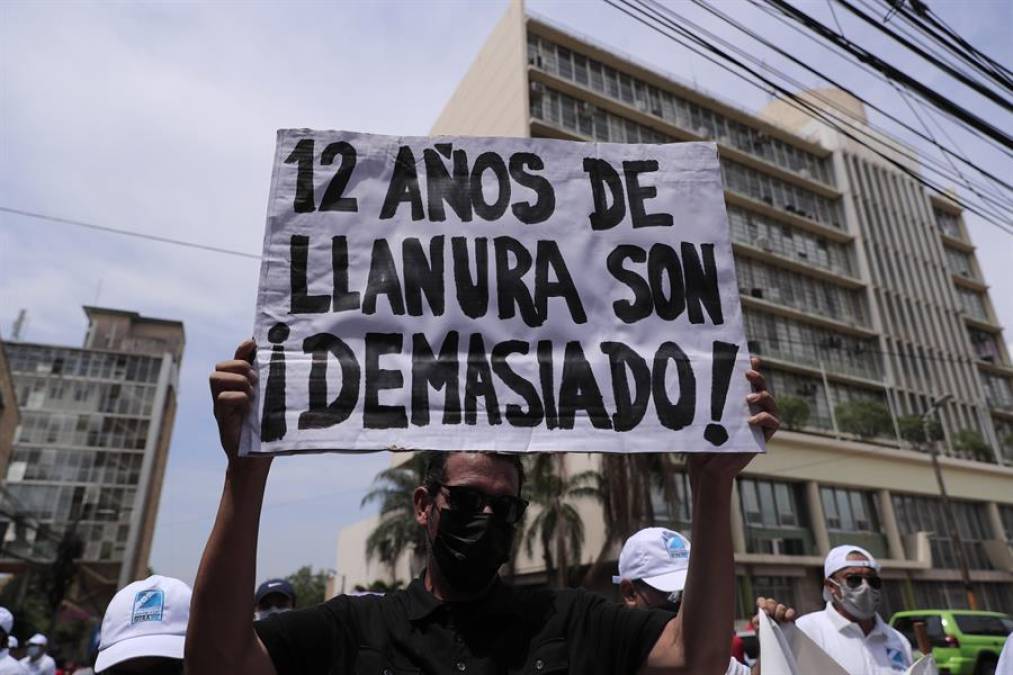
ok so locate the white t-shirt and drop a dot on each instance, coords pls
(883, 650)
(9, 665)
(738, 668)
(1005, 665)
(45, 665)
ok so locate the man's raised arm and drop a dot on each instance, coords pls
(220, 636)
(698, 640)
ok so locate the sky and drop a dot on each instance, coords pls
(160, 118)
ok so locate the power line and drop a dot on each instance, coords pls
(127, 233)
(938, 63)
(832, 81)
(790, 97)
(830, 103)
(923, 20)
(892, 72)
(769, 11)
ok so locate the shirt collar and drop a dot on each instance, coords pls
(422, 603)
(841, 623)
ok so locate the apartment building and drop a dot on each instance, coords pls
(90, 451)
(861, 292)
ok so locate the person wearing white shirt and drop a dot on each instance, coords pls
(8, 664)
(38, 662)
(1005, 665)
(849, 629)
(653, 566)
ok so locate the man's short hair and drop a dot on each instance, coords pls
(436, 467)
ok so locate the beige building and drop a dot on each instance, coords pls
(860, 290)
(9, 415)
(91, 449)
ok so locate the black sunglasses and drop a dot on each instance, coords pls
(855, 580)
(467, 499)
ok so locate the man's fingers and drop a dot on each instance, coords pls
(763, 400)
(245, 350)
(765, 420)
(223, 381)
(235, 400)
(235, 366)
(757, 380)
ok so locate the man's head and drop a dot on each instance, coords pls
(851, 582)
(653, 566)
(37, 646)
(144, 628)
(469, 506)
(274, 596)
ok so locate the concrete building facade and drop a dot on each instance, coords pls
(90, 452)
(861, 292)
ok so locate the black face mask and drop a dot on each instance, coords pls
(470, 548)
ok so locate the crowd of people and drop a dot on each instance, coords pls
(675, 613)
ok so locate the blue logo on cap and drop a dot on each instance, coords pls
(675, 545)
(148, 606)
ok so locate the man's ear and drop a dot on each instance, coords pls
(628, 592)
(421, 500)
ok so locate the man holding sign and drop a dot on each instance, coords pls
(443, 293)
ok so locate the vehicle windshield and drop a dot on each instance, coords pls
(971, 624)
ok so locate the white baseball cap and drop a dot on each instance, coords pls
(656, 556)
(6, 620)
(145, 618)
(837, 560)
(38, 639)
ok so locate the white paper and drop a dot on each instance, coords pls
(788, 651)
(298, 306)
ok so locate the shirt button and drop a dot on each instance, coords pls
(461, 666)
(539, 664)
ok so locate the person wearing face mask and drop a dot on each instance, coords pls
(273, 597)
(457, 616)
(38, 662)
(849, 629)
(8, 664)
(653, 566)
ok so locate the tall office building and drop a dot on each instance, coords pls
(860, 290)
(90, 452)
(9, 415)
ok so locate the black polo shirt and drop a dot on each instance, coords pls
(509, 631)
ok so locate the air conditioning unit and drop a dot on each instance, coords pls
(805, 173)
(642, 105)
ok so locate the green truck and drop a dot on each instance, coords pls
(964, 642)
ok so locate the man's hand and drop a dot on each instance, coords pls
(232, 385)
(761, 402)
(775, 610)
(729, 464)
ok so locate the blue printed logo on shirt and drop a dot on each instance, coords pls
(897, 659)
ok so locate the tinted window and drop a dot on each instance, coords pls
(982, 625)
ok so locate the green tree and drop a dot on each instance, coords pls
(913, 431)
(623, 489)
(380, 586)
(397, 532)
(970, 442)
(863, 418)
(310, 587)
(794, 411)
(557, 525)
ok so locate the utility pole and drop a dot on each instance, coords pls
(951, 522)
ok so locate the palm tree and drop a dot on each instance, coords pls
(397, 532)
(557, 525)
(623, 489)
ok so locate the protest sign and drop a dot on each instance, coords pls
(785, 650)
(497, 294)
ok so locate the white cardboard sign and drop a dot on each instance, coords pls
(501, 294)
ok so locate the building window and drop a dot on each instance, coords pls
(781, 589)
(774, 520)
(925, 514)
(973, 303)
(1006, 514)
(678, 513)
(947, 223)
